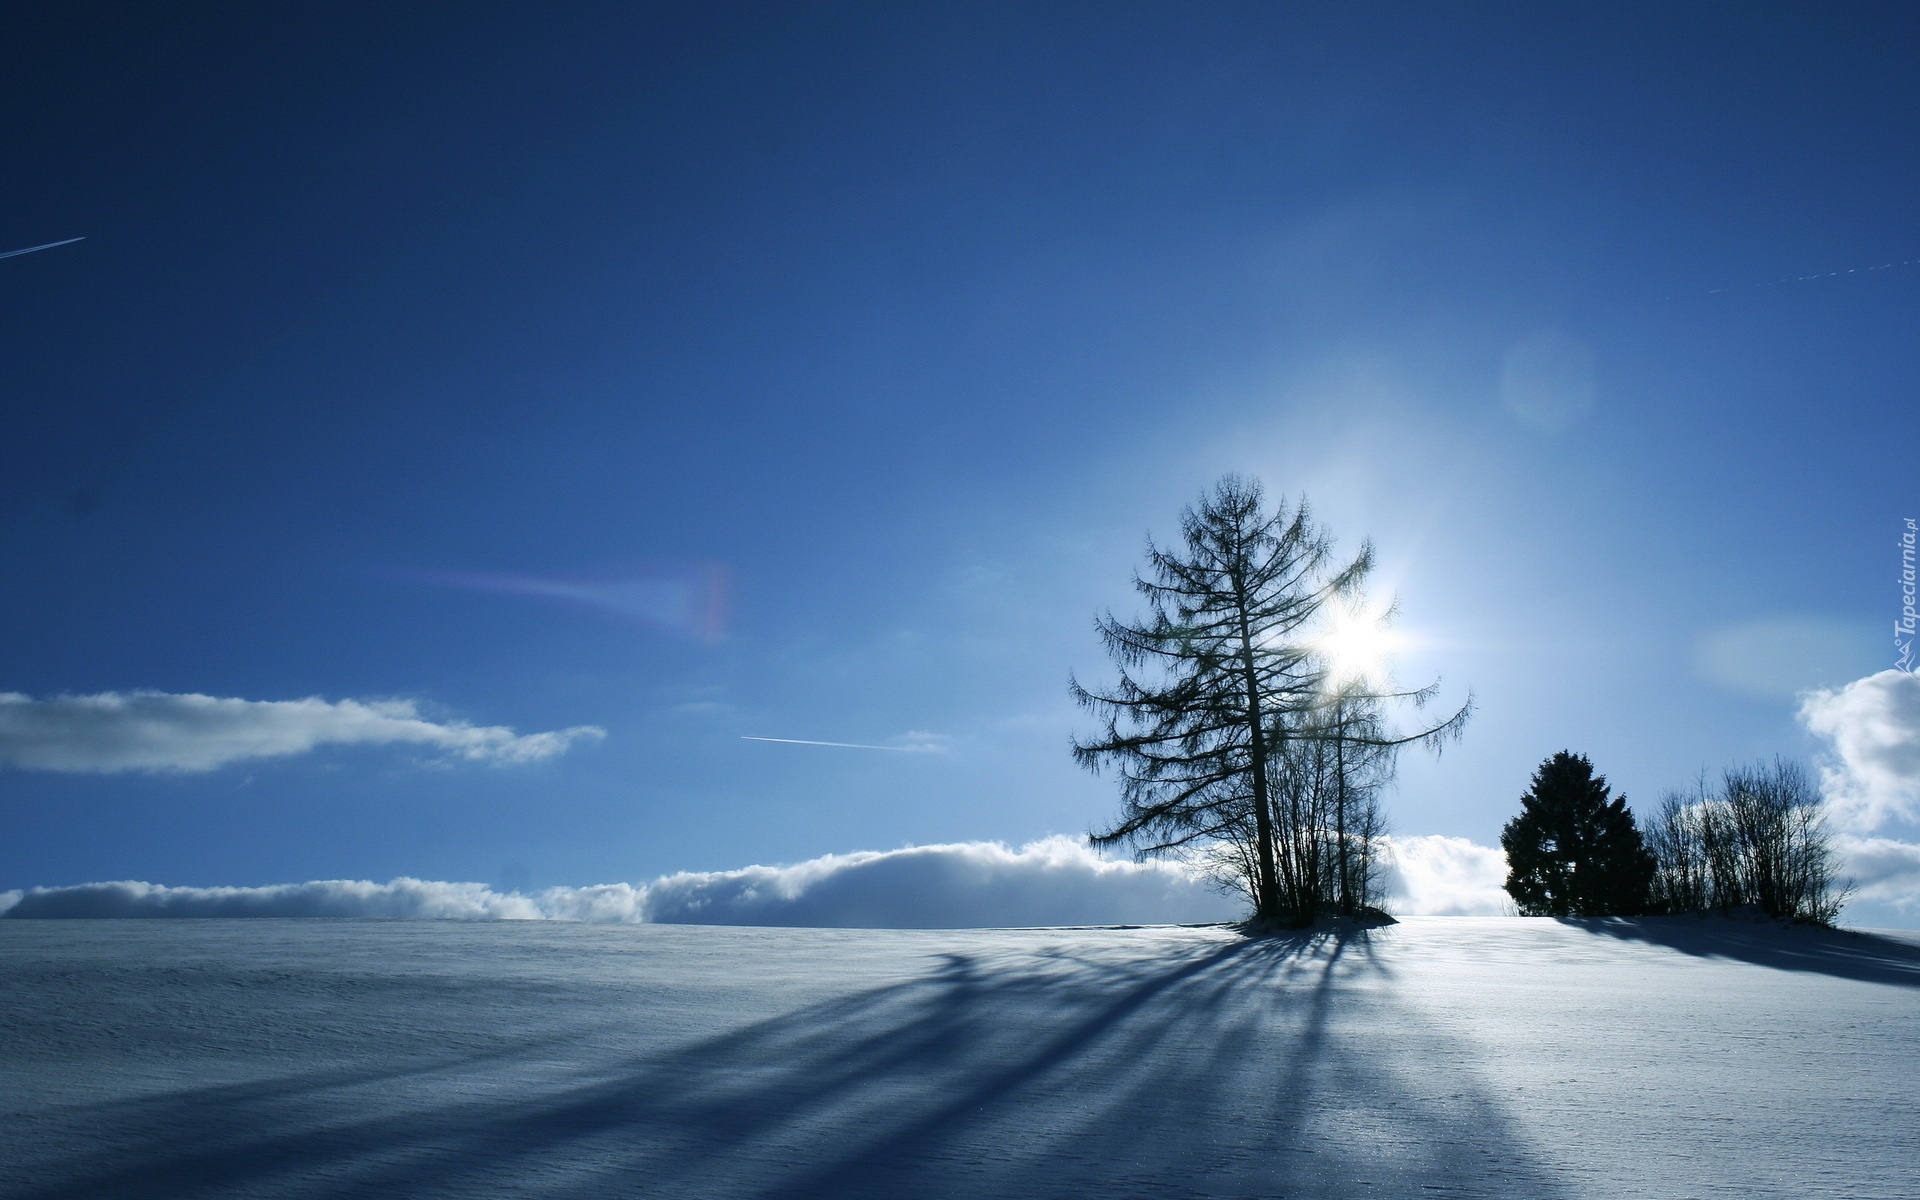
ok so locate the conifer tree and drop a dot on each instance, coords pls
(1227, 726)
(1572, 851)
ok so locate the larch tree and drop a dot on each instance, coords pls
(1230, 729)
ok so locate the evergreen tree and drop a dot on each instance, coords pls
(1572, 852)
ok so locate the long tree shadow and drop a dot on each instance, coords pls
(1841, 953)
(1244, 1068)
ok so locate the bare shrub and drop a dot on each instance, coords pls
(1760, 840)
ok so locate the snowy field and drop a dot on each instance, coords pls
(1444, 1056)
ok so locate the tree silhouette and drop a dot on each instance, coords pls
(1761, 839)
(1228, 726)
(1572, 852)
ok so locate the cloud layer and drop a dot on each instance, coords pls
(1873, 725)
(162, 731)
(1440, 876)
(416, 899)
(1058, 881)
(1871, 780)
(1883, 870)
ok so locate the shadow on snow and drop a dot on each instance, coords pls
(1842, 953)
(1269, 1067)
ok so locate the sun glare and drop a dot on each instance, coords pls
(1358, 646)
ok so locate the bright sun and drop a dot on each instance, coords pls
(1357, 646)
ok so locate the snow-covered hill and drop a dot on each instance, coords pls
(1463, 1056)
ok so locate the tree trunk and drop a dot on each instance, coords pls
(1267, 904)
(1340, 804)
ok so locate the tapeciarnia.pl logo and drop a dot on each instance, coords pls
(1903, 628)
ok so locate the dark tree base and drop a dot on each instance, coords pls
(1325, 921)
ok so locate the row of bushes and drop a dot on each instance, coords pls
(1758, 841)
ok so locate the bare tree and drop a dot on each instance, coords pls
(1365, 753)
(1761, 840)
(1681, 881)
(1227, 727)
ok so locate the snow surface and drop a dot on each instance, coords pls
(1442, 1056)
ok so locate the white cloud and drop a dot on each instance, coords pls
(1883, 870)
(1057, 881)
(163, 731)
(404, 898)
(1873, 726)
(1439, 876)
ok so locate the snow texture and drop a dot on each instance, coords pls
(1056, 881)
(163, 731)
(1481, 1057)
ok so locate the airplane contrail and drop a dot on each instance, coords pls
(48, 246)
(1886, 266)
(747, 737)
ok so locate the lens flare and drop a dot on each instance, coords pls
(1358, 646)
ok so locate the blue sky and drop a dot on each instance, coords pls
(817, 372)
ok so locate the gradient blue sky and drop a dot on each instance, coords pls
(913, 321)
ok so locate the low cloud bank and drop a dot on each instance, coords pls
(1440, 876)
(416, 899)
(1058, 881)
(163, 731)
